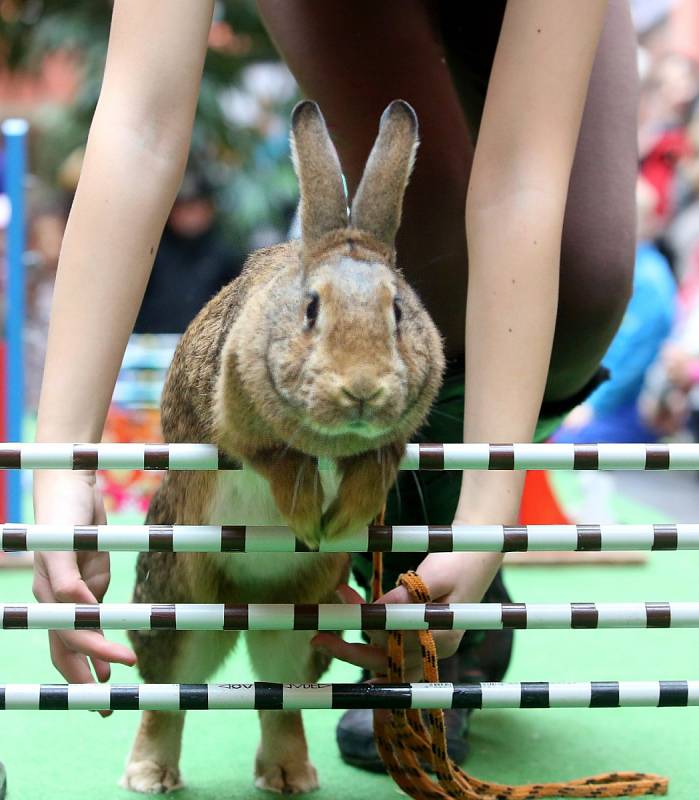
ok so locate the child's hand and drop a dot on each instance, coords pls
(63, 498)
(450, 577)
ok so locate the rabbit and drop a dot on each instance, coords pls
(318, 348)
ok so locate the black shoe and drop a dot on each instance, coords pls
(3, 782)
(355, 731)
(482, 656)
(355, 738)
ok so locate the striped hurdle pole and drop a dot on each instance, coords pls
(417, 456)
(348, 617)
(374, 538)
(288, 696)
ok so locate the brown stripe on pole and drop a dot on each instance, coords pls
(516, 539)
(14, 539)
(501, 456)
(431, 456)
(156, 456)
(658, 615)
(373, 617)
(84, 456)
(163, 617)
(583, 615)
(665, 537)
(657, 456)
(160, 538)
(440, 538)
(589, 537)
(10, 458)
(439, 617)
(233, 538)
(87, 617)
(235, 618)
(225, 462)
(85, 538)
(380, 538)
(514, 615)
(306, 617)
(15, 618)
(585, 456)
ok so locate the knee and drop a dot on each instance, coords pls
(590, 310)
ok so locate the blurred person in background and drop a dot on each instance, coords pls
(611, 414)
(670, 89)
(681, 235)
(670, 399)
(193, 261)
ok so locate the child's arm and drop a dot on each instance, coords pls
(135, 157)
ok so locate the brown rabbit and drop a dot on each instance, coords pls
(318, 348)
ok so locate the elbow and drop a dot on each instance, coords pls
(161, 139)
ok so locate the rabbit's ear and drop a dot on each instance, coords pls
(323, 200)
(378, 202)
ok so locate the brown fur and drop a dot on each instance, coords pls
(253, 375)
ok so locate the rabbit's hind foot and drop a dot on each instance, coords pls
(149, 777)
(285, 776)
(153, 765)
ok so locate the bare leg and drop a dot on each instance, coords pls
(282, 764)
(354, 58)
(153, 765)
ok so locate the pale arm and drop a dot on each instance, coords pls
(514, 221)
(135, 156)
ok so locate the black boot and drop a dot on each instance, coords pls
(355, 731)
(482, 656)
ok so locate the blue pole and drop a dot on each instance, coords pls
(15, 133)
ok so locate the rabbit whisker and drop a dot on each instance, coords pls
(446, 415)
(297, 484)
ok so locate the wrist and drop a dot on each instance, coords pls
(490, 498)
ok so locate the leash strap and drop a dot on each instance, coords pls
(405, 744)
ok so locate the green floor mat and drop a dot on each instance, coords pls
(57, 755)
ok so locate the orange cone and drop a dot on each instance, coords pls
(539, 504)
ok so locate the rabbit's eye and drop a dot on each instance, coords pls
(312, 310)
(397, 311)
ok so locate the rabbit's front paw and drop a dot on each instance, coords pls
(366, 480)
(305, 522)
(295, 483)
(344, 518)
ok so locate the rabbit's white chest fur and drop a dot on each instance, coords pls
(243, 497)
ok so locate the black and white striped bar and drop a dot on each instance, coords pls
(681, 456)
(375, 538)
(202, 697)
(333, 617)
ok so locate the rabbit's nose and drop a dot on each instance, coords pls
(361, 395)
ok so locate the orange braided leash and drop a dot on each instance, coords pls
(403, 741)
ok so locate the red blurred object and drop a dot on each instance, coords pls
(3, 432)
(660, 162)
(539, 504)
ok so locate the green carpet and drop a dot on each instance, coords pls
(80, 755)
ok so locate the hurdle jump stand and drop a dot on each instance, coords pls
(371, 616)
